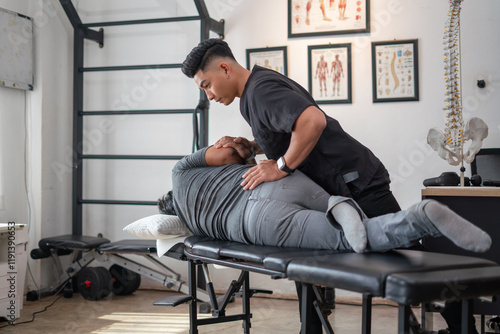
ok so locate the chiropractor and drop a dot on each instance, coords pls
(290, 129)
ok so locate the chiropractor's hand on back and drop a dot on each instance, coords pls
(265, 171)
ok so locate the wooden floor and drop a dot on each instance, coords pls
(136, 314)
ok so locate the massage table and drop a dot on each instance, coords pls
(407, 277)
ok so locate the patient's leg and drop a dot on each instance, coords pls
(427, 218)
(463, 233)
(349, 218)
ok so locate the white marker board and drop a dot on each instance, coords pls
(16, 50)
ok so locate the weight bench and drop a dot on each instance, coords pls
(407, 277)
(122, 278)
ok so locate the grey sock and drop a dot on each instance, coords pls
(459, 230)
(352, 225)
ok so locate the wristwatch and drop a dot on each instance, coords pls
(282, 165)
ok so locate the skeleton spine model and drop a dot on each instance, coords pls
(454, 127)
(449, 144)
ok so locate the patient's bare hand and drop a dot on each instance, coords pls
(241, 145)
(265, 171)
(225, 141)
(228, 141)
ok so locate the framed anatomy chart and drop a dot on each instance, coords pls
(395, 71)
(328, 17)
(330, 73)
(274, 58)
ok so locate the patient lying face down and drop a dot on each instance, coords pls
(296, 212)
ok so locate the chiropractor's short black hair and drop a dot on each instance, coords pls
(203, 54)
(166, 204)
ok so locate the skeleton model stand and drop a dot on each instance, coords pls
(449, 144)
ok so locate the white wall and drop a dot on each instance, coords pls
(396, 132)
(46, 114)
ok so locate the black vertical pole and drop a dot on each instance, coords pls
(403, 319)
(205, 21)
(467, 314)
(193, 315)
(246, 303)
(307, 307)
(205, 34)
(366, 326)
(77, 131)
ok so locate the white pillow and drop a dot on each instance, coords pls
(158, 226)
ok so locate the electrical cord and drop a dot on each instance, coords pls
(33, 315)
(38, 312)
(27, 177)
(27, 172)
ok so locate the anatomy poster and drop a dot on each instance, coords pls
(395, 71)
(273, 58)
(327, 17)
(330, 73)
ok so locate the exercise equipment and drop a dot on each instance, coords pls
(95, 283)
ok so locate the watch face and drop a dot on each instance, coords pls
(280, 163)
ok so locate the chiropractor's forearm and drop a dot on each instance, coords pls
(306, 131)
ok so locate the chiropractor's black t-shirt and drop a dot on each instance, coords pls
(271, 103)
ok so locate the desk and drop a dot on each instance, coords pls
(479, 205)
(13, 261)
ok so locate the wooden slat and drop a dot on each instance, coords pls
(462, 191)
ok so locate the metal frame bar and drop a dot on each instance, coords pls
(218, 312)
(408, 322)
(129, 67)
(76, 22)
(134, 112)
(321, 309)
(467, 305)
(403, 319)
(207, 24)
(116, 202)
(81, 32)
(145, 21)
(366, 325)
(77, 132)
(130, 157)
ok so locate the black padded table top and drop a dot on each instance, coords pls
(269, 257)
(135, 246)
(368, 272)
(364, 273)
(416, 287)
(72, 242)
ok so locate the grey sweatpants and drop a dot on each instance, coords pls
(292, 212)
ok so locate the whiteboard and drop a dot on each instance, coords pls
(16, 50)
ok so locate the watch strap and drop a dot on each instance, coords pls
(285, 168)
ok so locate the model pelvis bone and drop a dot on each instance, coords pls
(475, 131)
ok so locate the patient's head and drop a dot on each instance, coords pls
(166, 204)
